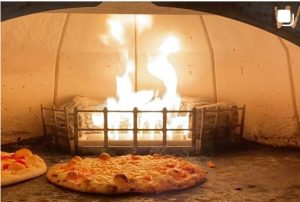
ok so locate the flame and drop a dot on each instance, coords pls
(116, 30)
(161, 68)
(127, 99)
(143, 22)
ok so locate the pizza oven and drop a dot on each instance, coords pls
(209, 81)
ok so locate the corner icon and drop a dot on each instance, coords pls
(285, 17)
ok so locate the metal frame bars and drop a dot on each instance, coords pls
(105, 128)
(197, 128)
(76, 135)
(194, 118)
(135, 129)
(164, 127)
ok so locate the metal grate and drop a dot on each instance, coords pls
(207, 124)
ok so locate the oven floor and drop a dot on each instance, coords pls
(254, 174)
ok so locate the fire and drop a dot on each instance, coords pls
(117, 31)
(143, 22)
(127, 98)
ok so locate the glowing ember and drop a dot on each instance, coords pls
(127, 99)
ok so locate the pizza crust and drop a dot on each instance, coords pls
(7, 178)
(125, 174)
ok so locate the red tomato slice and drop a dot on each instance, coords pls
(5, 166)
(5, 157)
(17, 157)
(21, 161)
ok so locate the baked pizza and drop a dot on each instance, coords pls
(127, 173)
(19, 166)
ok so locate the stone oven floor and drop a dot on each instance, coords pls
(256, 173)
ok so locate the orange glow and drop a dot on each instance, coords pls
(127, 99)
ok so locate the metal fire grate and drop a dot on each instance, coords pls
(211, 127)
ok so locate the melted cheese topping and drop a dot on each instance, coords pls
(130, 173)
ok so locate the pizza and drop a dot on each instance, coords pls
(126, 174)
(20, 165)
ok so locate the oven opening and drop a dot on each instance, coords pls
(148, 109)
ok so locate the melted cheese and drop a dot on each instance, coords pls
(141, 173)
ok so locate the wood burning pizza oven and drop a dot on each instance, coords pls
(126, 77)
(48, 58)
